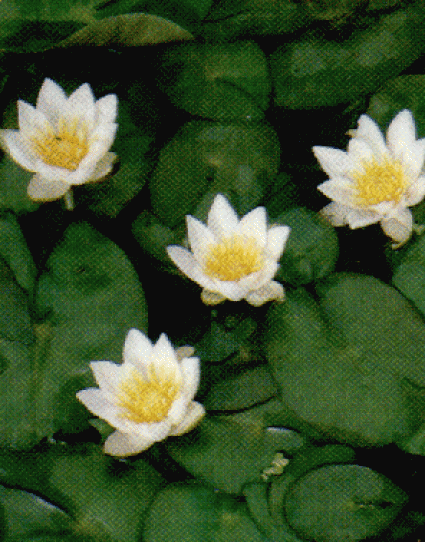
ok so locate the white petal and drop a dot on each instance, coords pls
(369, 131)
(178, 409)
(107, 108)
(200, 238)
(416, 192)
(194, 415)
(264, 276)
(102, 137)
(334, 162)
(222, 218)
(32, 122)
(254, 225)
(164, 360)
(277, 237)
(53, 173)
(413, 159)
(398, 227)
(340, 190)
(358, 218)
(19, 149)
(191, 373)
(122, 445)
(335, 213)
(40, 189)
(360, 152)
(137, 350)
(232, 289)
(269, 292)
(108, 376)
(186, 262)
(81, 105)
(401, 133)
(211, 298)
(51, 101)
(95, 401)
(103, 167)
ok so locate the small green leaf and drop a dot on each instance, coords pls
(243, 439)
(312, 248)
(314, 72)
(93, 297)
(218, 82)
(205, 158)
(129, 30)
(196, 513)
(342, 502)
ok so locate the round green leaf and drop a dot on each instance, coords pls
(342, 502)
(206, 158)
(218, 82)
(195, 513)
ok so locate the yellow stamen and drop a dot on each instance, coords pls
(233, 258)
(147, 401)
(380, 181)
(65, 148)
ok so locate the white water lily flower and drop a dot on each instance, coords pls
(231, 258)
(64, 141)
(148, 397)
(376, 180)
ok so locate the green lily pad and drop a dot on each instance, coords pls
(205, 158)
(218, 82)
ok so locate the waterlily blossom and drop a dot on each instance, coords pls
(148, 397)
(375, 180)
(233, 258)
(64, 140)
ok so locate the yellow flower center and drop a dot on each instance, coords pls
(380, 181)
(65, 148)
(233, 258)
(147, 401)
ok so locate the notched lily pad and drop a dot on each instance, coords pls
(129, 30)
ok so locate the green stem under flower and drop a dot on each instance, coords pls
(69, 200)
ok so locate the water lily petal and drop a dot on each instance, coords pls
(273, 291)
(335, 213)
(277, 237)
(178, 409)
(193, 416)
(358, 218)
(40, 189)
(334, 162)
(191, 373)
(360, 151)
(200, 238)
(340, 190)
(254, 225)
(51, 101)
(19, 149)
(186, 262)
(122, 445)
(211, 298)
(98, 404)
(222, 218)
(164, 360)
(32, 123)
(103, 167)
(53, 173)
(81, 106)
(416, 192)
(108, 376)
(399, 226)
(137, 350)
(107, 109)
(369, 130)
